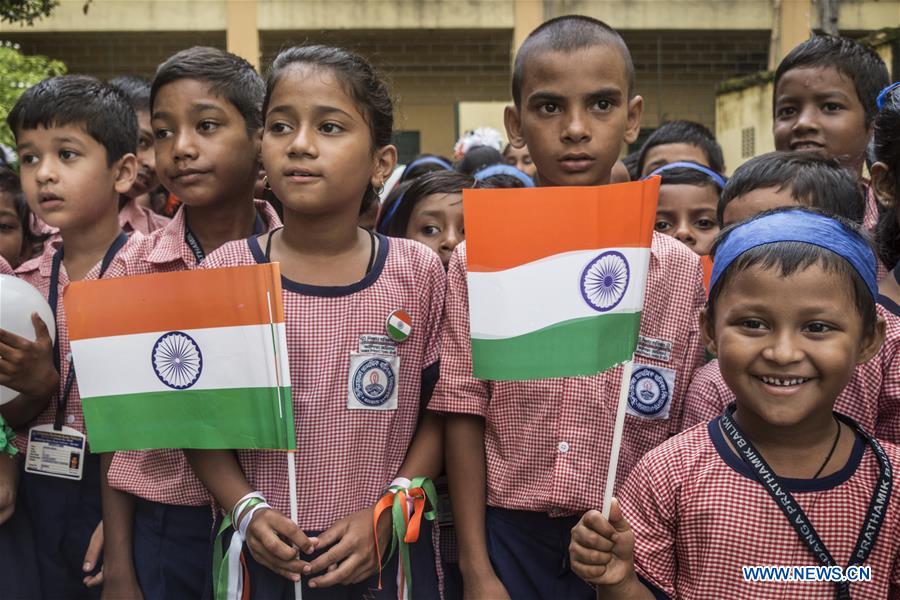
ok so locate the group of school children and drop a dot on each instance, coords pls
(763, 414)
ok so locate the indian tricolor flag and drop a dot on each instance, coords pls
(192, 359)
(556, 277)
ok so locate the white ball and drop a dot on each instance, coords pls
(18, 300)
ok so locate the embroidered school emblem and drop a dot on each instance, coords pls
(399, 325)
(177, 360)
(649, 392)
(373, 382)
(605, 280)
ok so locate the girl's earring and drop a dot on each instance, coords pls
(266, 186)
(379, 190)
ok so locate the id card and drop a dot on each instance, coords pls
(55, 453)
(373, 382)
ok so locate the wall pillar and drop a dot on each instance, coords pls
(242, 32)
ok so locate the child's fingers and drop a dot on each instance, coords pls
(289, 530)
(10, 340)
(594, 521)
(617, 519)
(585, 536)
(349, 571)
(95, 547)
(40, 328)
(94, 580)
(589, 573)
(332, 556)
(588, 556)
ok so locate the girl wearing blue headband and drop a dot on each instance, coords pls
(688, 198)
(779, 478)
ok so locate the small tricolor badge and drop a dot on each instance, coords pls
(399, 325)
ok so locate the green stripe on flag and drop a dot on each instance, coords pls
(206, 419)
(584, 346)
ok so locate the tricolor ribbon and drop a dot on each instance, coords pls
(7, 435)
(229, 570)
(408, 507)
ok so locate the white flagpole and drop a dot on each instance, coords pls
(291, 462)
(617, 436)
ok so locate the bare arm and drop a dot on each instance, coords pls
(467, 476)
(120, 580)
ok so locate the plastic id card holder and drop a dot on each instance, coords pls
(55, 453)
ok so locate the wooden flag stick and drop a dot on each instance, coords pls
(617, 437)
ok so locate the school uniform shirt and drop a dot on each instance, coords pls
(548, 441)
(871, 398)
(164, 476)
(5, 269)
(37, 272)
(699, 515)
(347, 453)
(134, 217)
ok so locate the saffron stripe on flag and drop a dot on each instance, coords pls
(224, 297)
(540, 222)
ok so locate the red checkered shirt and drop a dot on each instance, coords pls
(5, 269)
(548, 441)
(346, 458)
(134, 217)
(37, 272)
(163, 476)
(871, 398)
(698, 516)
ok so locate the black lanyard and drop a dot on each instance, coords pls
(797, 518)
(259, 227)
(53, 301)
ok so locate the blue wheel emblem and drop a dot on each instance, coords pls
(605, 280)
(177, 360)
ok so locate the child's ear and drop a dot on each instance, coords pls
(871, 343)
(125, 170)
(384, 161)
(708, 332)
(883, 185)
(513, 124)
(635, 110)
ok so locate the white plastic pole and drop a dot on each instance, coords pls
(617, 437)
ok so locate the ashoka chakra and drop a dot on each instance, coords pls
(177, 360)
(604, 280)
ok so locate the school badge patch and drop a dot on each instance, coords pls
(650, 392)
(373, 382)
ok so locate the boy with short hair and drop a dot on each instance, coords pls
(824, 103)
(134, 206)
(780, 179)
(680, 141)
(547, 442)
(76, 139)
(207, 122)
(779, 478)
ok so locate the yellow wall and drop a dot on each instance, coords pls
(473, 115)
(435, 124)
(736, 111)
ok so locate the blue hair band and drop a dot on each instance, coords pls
(716, 177)
(881, 100)
(426, 160)
(508, 170)
(797, 225)
(383, 223)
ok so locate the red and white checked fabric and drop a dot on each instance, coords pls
(37, 272)
(871, 398)
(346, 458)
(5, 269)
(548, 441)
(134, 217)
(163, 476)
(697, 520)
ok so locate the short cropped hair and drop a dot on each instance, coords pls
(568, 34)
(136, 89)
(684, 132)
(227, 74)
(101, 109)
(813, 181)
(790, 257)
(853, 60)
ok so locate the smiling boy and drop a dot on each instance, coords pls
(525, 458)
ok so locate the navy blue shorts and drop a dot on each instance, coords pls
(19, 577)
(530, 554)
(268, 585)
(63, 515)
(172, 549)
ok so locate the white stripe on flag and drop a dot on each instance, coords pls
(110, 366)
(536, 295)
